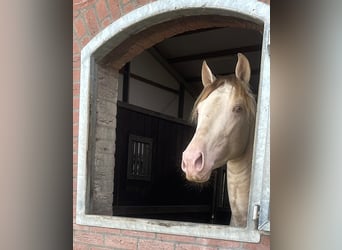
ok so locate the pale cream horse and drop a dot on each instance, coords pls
(225, 115)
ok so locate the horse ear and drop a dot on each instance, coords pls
(242, 69)
(207, 76)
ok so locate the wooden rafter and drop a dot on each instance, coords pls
(213, 54)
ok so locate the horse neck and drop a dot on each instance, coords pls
(238, 183)
(243, 163)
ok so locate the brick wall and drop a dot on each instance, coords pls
(103, 238)
(90, 17)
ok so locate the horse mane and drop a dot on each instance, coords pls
(242, 90)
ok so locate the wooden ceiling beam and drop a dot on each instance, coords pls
(173, 72)
(198, 78)
(213, 54)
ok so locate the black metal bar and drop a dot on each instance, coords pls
(213, 202)
(125, 88)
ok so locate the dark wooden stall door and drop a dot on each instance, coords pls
(148, 180)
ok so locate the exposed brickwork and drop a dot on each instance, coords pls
(115, 9)
(106, 238)
(145, 244)
(120, 242)
(92, 21)
(89, 238)
(157, 33)
(218, 243)
(176, 238)
(193, 247)
(263, 245)
(80, 246)
(102, 9)
(90, 17)
(139, 234)
(79, 27)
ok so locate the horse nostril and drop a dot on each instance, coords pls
(192, 161)
(199, 162)
(183, 166)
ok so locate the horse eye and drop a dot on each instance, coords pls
(237, 109)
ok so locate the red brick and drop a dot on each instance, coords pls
(74, 184)
(88, 237)
(76, 103)
(128, 7)
(78, 246)
(79, 27)
(143, 2)
(75, 48)
(84, 41)
(154, 245)
(263, 245)
(105, 230)
(75, 12)
(76, 86)
(177, 238)
(193, 247)
(75, 115)
(80, 227)
(75, 131)
(91, 20)
(76, 75)
(76, 61)
(218, 243)
(106, 22)
(253, 246)
(100, 248)
(138, 234)
(74, 169)
(120, 242)
(114, 9)
(101, 9)
(76, 89)
(75, 161)
(75, 147)
(81, 4)
(266, 240)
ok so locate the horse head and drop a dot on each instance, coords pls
(224, 113)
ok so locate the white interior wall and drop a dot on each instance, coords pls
(151, 97)
(146, 66)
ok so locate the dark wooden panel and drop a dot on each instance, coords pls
(167, 186)
(213, 54)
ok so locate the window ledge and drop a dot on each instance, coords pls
(171, 227)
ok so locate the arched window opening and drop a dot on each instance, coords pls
(156, 92)
(145, 68)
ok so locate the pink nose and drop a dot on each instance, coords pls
(192, 162)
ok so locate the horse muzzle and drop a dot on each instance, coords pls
(193, 166)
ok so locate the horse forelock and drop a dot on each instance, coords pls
(242, 91)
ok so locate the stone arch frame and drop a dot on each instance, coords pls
(100, 60)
